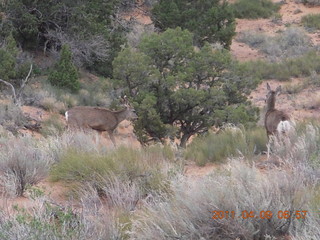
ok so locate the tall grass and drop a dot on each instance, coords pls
(51, 221)
(147, 170)
(230, 142)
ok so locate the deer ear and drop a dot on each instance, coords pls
(278, 90)
(268, 87)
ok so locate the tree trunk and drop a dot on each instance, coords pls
(184, 140)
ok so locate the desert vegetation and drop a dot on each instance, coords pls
(193, 165)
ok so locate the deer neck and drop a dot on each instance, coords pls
(271, 103)
(121, 115)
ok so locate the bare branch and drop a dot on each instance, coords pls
(24, 82)
(12, 88)
(16, 96)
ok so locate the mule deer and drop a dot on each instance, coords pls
(99, 119)
(276, 122)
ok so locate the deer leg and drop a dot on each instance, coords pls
(268, 150)
(112, 137)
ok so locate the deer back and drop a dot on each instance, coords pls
(100, 119)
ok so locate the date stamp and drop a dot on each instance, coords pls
(285, 214)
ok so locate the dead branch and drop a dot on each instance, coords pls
(16, 96)
(24, 82)
(12, 88)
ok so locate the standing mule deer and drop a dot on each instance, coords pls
(99, 119)
(277, 123)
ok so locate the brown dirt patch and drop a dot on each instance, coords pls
(194, 171)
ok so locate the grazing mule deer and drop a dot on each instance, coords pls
(276, 122)
(99, 119)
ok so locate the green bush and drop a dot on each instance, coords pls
(13, 62)
(255, 8)
(65, 74)
(311, 21)
(209, 21)
(230, 142)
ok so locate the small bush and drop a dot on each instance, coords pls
(230, 142)
(290, 88)
(311, 21)
(11, 117)
(310, 2)
(255, 9)
(65, 74)
(52, 105)
(22, 163)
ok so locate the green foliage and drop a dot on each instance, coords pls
(253, 9)
(180, 91)
(65, 74)
(8, 59)
(230, 142)
(87, 25)
(311, 21)
(209, 20)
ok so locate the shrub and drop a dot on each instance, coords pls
(230, 142)
(293, 42)
(48, 220)
(22, 163)
(255, 9)
(52, 126)
(290, 88)
(310, 2)
(52, 105)
(311, 21)
(302, 66)
(11, 117)
(65, 73)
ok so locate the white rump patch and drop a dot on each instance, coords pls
(66, 115)
(284, 127)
